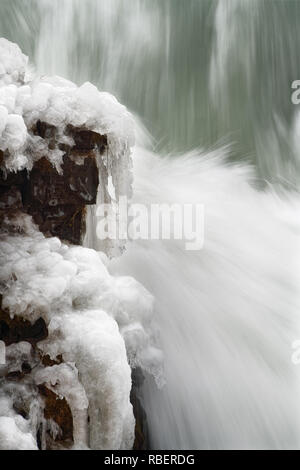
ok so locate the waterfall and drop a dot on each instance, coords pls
(212, 75)
(227, 315)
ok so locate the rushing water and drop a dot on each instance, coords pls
(202, 73)
(227, 314)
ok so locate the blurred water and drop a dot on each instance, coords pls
(227, 315)
(200, 73)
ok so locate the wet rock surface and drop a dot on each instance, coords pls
(14, 330)
(56, 200)
(57, 141)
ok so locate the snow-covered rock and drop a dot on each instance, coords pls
(72, 331)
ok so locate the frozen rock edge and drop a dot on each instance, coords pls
(72, 331)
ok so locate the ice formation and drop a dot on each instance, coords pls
(97, 326)
(85, 310)
(60, 103)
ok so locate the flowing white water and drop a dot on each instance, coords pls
(227, 315)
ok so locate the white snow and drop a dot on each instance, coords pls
(90, 315)
(44, 277)
(91, 339)
(63, 380)
(57, 102)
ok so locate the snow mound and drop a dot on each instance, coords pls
(99, 324)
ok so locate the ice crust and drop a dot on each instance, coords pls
(57, 102)
(98, 323)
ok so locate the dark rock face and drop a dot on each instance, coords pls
(56, 201)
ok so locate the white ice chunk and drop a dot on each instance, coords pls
(14, 135)
(89, 314)
(12, 62)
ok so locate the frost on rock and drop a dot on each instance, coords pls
(58, 103)
(13, 63)
(13, 434)
(90, 316)
(51, 118)
(73, 333)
